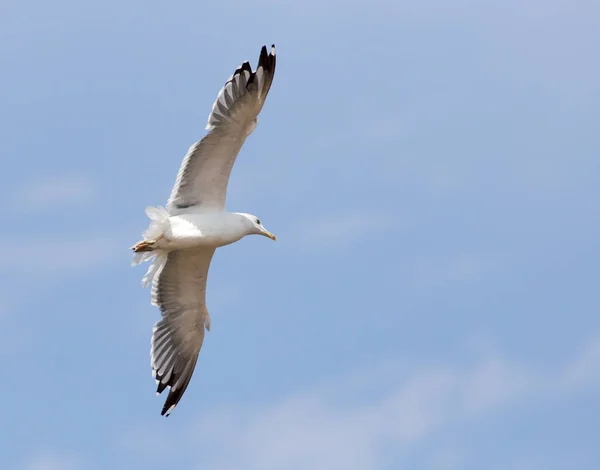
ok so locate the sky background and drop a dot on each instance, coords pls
(432, 172)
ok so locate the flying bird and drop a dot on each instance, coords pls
(182, 238)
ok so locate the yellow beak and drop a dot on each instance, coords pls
(270, 235)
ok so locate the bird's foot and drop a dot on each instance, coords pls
(145, 245)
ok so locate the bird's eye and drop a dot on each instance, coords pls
(258, 221)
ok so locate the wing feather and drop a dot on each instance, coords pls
(204, 174)
(179, 290)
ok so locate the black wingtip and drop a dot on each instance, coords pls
(171, 402)
(263, 54)
(176, 393)
(246, 66)
(267, 60)
(161, 387)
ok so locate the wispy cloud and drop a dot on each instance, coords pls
(31, 266)
(50, 461)
(57, 190)
(61, 255)
(337, 426)
(342, 229)
(584, 372)
(431, 8)
(463, 267)
(447, 458)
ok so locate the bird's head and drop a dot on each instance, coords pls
(253, 225)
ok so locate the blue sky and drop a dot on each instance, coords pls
(431, 170)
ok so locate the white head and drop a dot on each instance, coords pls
(253, 226)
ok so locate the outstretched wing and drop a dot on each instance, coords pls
(179, 290)
(204, 174)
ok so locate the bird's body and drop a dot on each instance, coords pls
(182, 238)
(200, 229)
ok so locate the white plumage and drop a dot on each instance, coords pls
(181, 239)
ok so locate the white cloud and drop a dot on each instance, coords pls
(534, 9)
(58, 190)
(49, 461)
(54, 255)
(445, 459)
(342, 229)
(351, 427)
(14, 335)
(464, 267)
(585, 372)
(51, 260)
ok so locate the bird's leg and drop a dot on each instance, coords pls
(145, 245)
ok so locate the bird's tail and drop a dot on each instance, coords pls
(147, 248)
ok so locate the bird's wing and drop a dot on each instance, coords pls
(179, 290)
(204, 173)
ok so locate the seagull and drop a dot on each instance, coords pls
(181, 239)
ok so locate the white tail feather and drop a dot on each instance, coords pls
(159, 224)
(159, 261)
(141, 257)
